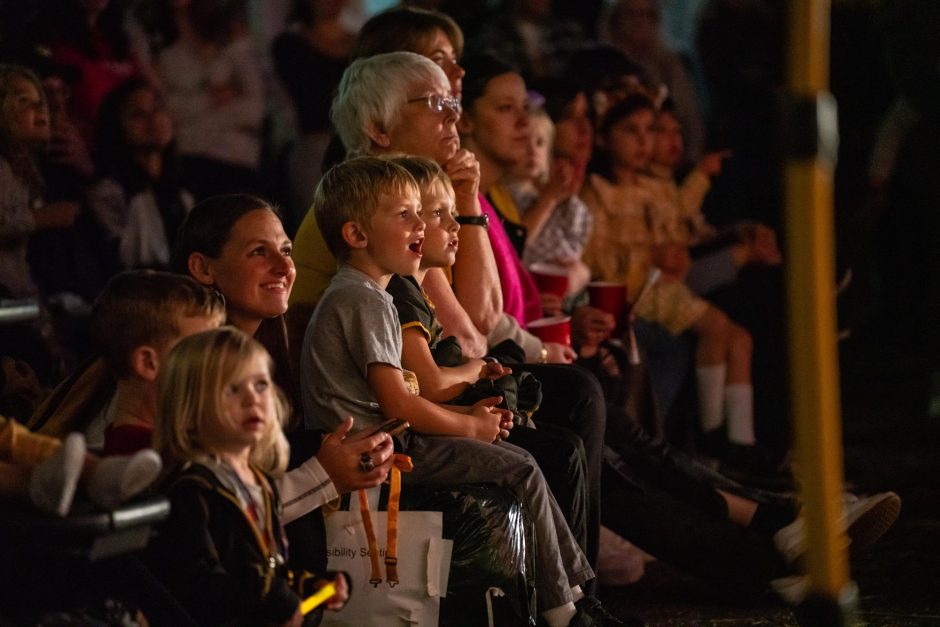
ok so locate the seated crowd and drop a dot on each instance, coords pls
(497, 251)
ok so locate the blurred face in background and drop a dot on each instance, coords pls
(440, 49)
(535, 166)
(574, 134)
(667, 147)
(630, 140)
(635, 24)
(499, 121)
(26, 112)
(146, 123)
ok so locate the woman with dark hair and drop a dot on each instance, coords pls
(139, 201)
(236, 244)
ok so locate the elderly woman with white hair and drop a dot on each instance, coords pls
(401, 102)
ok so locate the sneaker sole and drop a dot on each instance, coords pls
(871, 524)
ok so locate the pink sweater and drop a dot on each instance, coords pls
(520, 295)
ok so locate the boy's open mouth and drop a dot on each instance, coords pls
(415, 247)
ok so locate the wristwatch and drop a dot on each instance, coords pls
(480, 220)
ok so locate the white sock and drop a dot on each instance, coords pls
(119, 478)
(739, 411)
(560, 616)
(52, 483)
(711, 389)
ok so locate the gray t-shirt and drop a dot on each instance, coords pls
(355, 324)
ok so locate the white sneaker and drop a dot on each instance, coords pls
(119, 478)
(868, 518)
(52, 483)
(865, 519)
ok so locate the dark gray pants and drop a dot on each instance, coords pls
(559, 563)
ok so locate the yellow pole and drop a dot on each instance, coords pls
(812, 320)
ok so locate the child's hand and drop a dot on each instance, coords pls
(489, 420)
(336, 602)
(340, 453)
(710, 165)
(563, 180)
(493, 370)
(559, 353)
(464, 172)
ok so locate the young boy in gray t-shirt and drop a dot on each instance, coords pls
(369, 213)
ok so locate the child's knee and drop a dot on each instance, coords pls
(715, 325)
(741, 339)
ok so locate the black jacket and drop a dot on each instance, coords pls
(210, 556)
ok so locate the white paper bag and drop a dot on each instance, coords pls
(423, 568)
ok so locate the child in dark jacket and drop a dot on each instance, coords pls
(223, 551)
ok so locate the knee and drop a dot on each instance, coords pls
(741, 340)
(589, 386)
(716, 326)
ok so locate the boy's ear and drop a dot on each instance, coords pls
(145, 362)
(354, 235)
(200, 268)
(378, 135)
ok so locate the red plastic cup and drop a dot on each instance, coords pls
(556, 329)
(550, 279)
(609, 297)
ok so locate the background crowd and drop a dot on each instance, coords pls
(628, 142)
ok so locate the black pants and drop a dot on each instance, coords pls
(732, 558)
(572, 398)
(561, 458)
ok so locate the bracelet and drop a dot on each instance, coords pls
(480, 220)
(543, 356)
(490, 360)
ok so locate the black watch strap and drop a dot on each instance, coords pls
(480, 220)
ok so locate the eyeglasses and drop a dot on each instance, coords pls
(437, 103)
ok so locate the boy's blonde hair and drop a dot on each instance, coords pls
(351, 192)
(424, 171)
(189, 399)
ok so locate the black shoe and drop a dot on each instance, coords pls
(590, 613)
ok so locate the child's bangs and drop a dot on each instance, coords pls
(399, 183)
